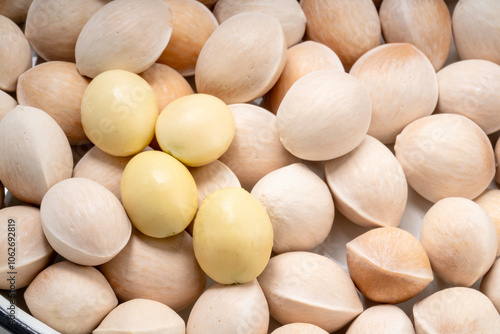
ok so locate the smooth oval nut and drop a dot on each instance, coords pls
(34, 153)
(301, 59)
(237, 69)
(240, 308)
(445, 155)
(299, 205)
(256, 149)
(120, 36)
(23, 236)
(490, 285)
(489, 201)
(315, 124)
(144, 316)
(388, 265)
(425, 24)
(363, 201)
(7, 103)
(16, 11)
(70, 298)
(460, 239)
(140, 269)
(382, 319)
(307, 287)
(402, 85)
(56, 88)
(299, 328)
(84, 222)
(471, 88)
(456, 310)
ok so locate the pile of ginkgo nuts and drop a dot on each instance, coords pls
(176, 166)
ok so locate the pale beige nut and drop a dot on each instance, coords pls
(490, 285)
(84, 222)
(460, 239)
(457, 311)
(240, 308)
(121, 35)
(489, 201)
(167, 83)
(15, 10)
(56, 88)
(388, 265)
(164, 270)
(299, 205)
(70, 298)
(53, 26)
(23, 245)
(368, 185)
(301, 59)
(348, 27)
(237, 69)
(256, 149)
(315, 124)
(382, 319)
(446, 155)
(193, 25)
(299, 328)
(402, 85)
(476, 29)
(34, 153)
(471, 88)
(288, 12)
(424, 23)
(7, 103)
(142, 316)
(15, 53)
(307, 287)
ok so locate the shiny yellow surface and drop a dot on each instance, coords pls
(119, 112)
(196, 129)
(232, 236)
(159, 194)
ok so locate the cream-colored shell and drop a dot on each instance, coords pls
(7, 103)
(288, 12)
(301, 59)
(315, 124)
(490, 285)
(15, 53)
(350, 28)
(84, 222)
(471, 88)
(425, 23)
(142, 316)
(256, 149)
(299, 205)
(237, 69)
(457, 311)
(460, 239)
(299, 328)
(489, 201)
(402, 85)
(193, 25)
(53, 26)
(164, 270)
(240, 308)
(56, 88)
(368, 185)
(70, 298)
(15, 10)
(121, 35)
(446, 155)
(34, 153)
(382, 319)
(388, 265)
(32, 252)
(307, 287)
(167, 83)
(476, 29)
